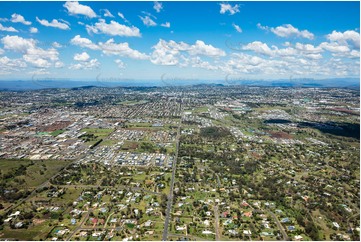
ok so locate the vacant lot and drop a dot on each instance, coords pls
(93, 135)
(29, 173)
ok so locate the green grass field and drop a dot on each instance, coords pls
(36, 172)
(57, 132)
(101, 133)
(109, 142)
(201, 110)
(20, 234)
(93, 135)
(7, 164)
(38, 232)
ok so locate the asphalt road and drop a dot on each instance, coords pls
(81, 224)
(279, 225)
(170, 196)
(216, 225)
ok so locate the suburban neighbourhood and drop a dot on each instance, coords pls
(217, 163)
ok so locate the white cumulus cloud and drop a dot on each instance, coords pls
(157, 6)
(107, 13)
(200, 48)
(17, 18)
(121, 49)
(165, 53)
(33, 30)
(75, 8)
(84, 42)
(258, 47)
(8, 29)
(182, 54)
(147, 21)
(226, 7)
(8, 65)
(308, 48)
(54, 23)
(38, 57)
(109, 47)
(85, 65)
(84, 62)
(347, 37)
(113, 28)
(81, 57)
(56, 45)
(166, 25)
(18, 44)
(334, 47)
(288, 30)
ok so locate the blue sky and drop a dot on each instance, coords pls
(179, 40)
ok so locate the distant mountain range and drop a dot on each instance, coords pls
(32, 85)
(305, 82)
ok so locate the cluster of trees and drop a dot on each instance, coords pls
(19, 171)
(88, 137)
(148, 147)
(86, 104)
(13, 194)
(189, 122)
(214, 132)
(84, 173)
